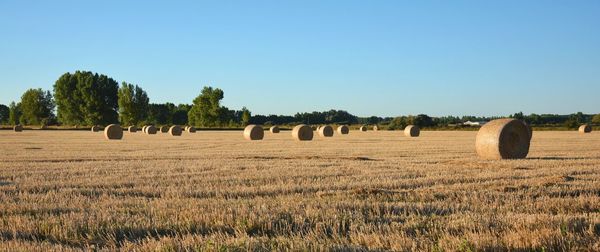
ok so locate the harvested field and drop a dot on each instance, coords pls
(66, 190)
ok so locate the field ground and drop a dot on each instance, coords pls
(66, 190)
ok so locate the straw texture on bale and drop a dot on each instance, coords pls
(343, 130)
(144, 128)
(132, 129)
(113, 132)
(18, 128)
(254, 132)
(585, 128)
(412, 131)
(274, 129)
(164, 129)
(302, 132)
(326, 131)
(191, 129)
(375, 128)
(175, 130)
(363, 128)
(529, 129)
(503, 139)
(95, 128)
(151, 130)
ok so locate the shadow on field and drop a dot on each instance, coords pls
(557, 158)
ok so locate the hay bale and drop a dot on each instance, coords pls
(302, 132)
(95, 128)
(274, 129)
(375, 128)
(586, 128)
(113, 132)
(151, 130)
(175, 130)
(326, 131)
(144, 128)
(412, 131)
(363, 128)
(18, 128)
(164, 129)
(529, 129)
(132, 129)
(254, 132)
(503, 139)
(191, 129)
(343, 130)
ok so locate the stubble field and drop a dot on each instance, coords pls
(73, 190)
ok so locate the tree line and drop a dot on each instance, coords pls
(86, 98)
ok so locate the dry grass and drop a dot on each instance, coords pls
(367, 191)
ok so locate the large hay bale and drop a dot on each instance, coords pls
(191, 129)
(503, 139)
(151, 130)
(375, 128)
(343, 130)
(302, 132)
(175, 130)
(113, 132)
(412, 131)
(18, 128)
(363, 128)
(164, 129)
(132, 129)
(274, 129)
(254, 132)
(326, 131)
(95, 128)
(529, 129)
(586, 128)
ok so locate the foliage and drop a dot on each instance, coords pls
(37, 107)
(207, 110)
(86, 98)
(4, 114)
(245, 116)
(596, 119)
(14, 114)
(133, 104)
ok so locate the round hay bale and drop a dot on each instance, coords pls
(175, 130)
(95, 128)
(18, 128)
(375, 128)
(132, 129)
(412, 131)
(144, 128)
(363, 128)
(586, 128)
(191, 129)
(529, 129)
(326, 131)
(254, 132)
(113, 132)
(302, 132)
(164, 129)
(274, 129)
(503, 139)
(343, 130)
(151, 130)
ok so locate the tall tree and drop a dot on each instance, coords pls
(206, 110)
(133, 104)
(246, 116)
(86, 98)
(37, 107)
(14, 116)
(4, 114)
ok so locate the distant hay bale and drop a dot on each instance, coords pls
(151, 130)
(503, 139)
(326, 131)
(18, 128)
(132, 129)
(113, 132)
(363, 128)
(586, 128)
(343, 130)
(175, 130)
(302, 132)
(412, 131)
(95, 128)
(274, 129)
(164, 129)
(144, 128)
(375, 128)
(191, 129)
(254, 132)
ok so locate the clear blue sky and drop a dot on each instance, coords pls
(278, 57)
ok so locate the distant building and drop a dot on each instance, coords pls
(469, 123)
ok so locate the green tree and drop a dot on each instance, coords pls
(14, 116)
(37, 107)
(4, 114)
(596, 119)
(133, 104)
(86, 98)
(246, 115)
(206, 110)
